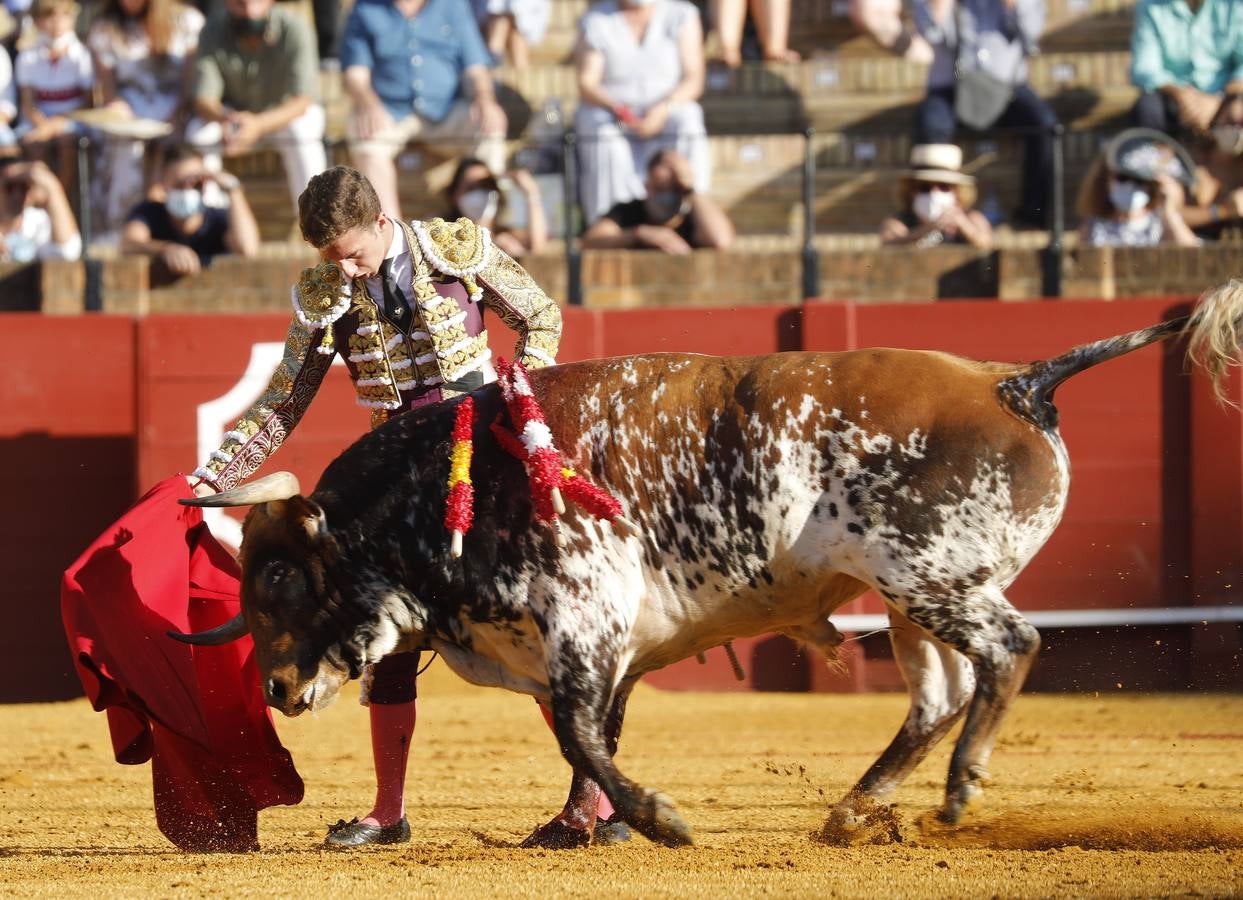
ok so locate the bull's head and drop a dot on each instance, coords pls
(305, 642)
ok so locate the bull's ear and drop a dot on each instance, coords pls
(308, 516)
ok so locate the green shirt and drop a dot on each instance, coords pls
(285, 65)
(1172, 45)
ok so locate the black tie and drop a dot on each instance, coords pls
(395, 305)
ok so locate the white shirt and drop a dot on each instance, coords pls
(35, 227)
(403, 269)
(60, 86)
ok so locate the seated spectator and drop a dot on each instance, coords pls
(256, 80)
(1185, 54)
(36, 221)
(474, 192)
(1219, 186)
(936, 201)
(673, 217)
(55, 76)
(1133, 196)
(640, 73)
(975, 41)
(882, 21)
(512, 27)
(144, 62)
(417, 70)
(179, 230)
(772, 26)
(8, 101)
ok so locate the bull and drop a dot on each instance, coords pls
(767, 492)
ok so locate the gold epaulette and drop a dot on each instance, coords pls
(458, 248)
(322, 296)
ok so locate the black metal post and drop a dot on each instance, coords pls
(1051, 275)
(811, 259)
(92, 289)
(569, 209)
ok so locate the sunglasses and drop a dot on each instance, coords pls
(190, 182)
(926, 186)
(1127, 179)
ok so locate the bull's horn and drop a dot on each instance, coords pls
(221, 634)
(277, 486)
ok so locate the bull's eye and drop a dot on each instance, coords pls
(275, 573)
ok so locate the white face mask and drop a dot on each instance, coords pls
(1229, 139)
(478, 205)
(929, 206)
(1127, 197)
(59, 43)
(184, 203)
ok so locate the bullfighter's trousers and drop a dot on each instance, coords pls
(393, 680)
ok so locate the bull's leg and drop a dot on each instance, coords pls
(574, 826)
(581, 695)
(984, 627)
(939, 680)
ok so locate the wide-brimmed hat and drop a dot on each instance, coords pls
(939, 163)
(1145, 155)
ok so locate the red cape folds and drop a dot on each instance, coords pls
(196, 712)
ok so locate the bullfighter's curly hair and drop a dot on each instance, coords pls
(334, 202)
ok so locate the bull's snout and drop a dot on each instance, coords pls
(278, 695)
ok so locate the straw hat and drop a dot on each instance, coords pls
(1144, 154)
(938, 163)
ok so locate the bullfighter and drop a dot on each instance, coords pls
(404, 304)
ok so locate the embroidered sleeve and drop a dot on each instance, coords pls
(263, 428)
(520, 303)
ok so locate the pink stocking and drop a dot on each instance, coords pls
(392, 726)
(604, 808)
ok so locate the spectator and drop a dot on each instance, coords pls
(54, 77)
(1184, 55)
(640, 72)
(980, 50)
(882, 21)
(512, 27)
(144, 59)
(673, 217)
(180, 231)
(474, 192)
(1220, 183)
(256, 79)
(417, 70)
(8, 101)
(772, 26)
(936, 200)
(327, 15)
(1133, 196)
(35, 219)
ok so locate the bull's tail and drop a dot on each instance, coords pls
(1213, 329)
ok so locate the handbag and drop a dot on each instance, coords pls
(980, 97)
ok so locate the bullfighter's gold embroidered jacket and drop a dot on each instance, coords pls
(391, 364)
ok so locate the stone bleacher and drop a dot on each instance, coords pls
(859, 100)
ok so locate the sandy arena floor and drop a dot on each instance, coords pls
(1092, 796)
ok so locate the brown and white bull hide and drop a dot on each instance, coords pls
(768, 491)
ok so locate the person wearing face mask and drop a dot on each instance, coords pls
(144, 58)
(180, 231)
(475, 193)
(672, 217)
(256, 81)
(1135, 193)
(936, 199)
(55, 76)
(640, 75)
(36, 222)
(1219, 188)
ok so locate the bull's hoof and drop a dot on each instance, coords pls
(666, 825)
(557, 835)
(959, 802)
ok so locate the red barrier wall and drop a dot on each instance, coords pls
(80, 440)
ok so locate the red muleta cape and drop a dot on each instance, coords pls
(196, 712)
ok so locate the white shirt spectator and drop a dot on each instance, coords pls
(32, 239)
(60, 86)
(638, 73)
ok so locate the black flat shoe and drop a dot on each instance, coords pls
(344, 835)
(612, 830)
